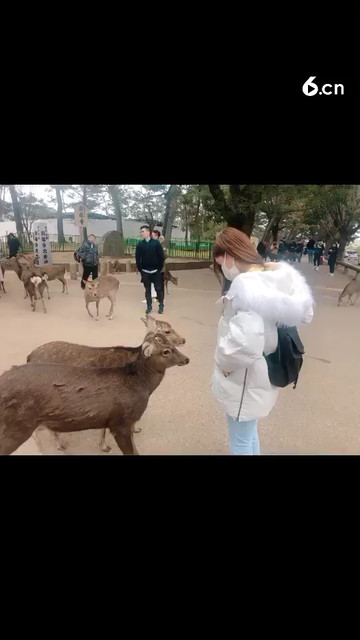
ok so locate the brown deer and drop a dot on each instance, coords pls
(169, 278)
(351, 291)
(102, 287)
(82, 356)
(64, 398)
(34, 287)
(53, 271)
(29, 273)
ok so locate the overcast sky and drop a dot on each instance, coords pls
(40, 192)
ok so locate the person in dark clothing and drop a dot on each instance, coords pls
(310, 250)
(88, 254)
(261, 248)
(318, 251)
(14, 245)
(157, 236)
(149, 262)
(282, 250)
(271, 252)
(292, 249)
(333, 251)
(299, 250)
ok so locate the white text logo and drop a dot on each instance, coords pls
(310, 88)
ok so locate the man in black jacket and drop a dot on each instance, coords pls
(333, 251)
(292, 249)
(13, 244)
(150, 261)
(310, 250)
(282, 250)
(88, 253)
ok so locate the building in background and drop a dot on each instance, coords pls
(98, 226)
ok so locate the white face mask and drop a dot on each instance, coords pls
(230, 274)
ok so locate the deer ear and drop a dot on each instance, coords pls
(151, 324)
(147, 349)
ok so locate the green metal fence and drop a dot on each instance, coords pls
(201, 250)
(28, 247)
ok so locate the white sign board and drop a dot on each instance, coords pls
(80, 215)
(42, 249)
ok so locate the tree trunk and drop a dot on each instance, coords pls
(268, 229)
(17, 209)
(117, 207)
(84, 201)
(60, 226)
(114, 194)
(342, 245)
(244, 219)
(170, 213)
(186, 224)
(275, 230)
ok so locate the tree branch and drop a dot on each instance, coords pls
(219, 197)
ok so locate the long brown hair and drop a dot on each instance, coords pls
(237, 244)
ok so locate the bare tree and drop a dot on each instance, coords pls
(60, 225)
(170, 212)
(17, 209)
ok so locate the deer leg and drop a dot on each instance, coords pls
(112, 301)
(59, 444)
(125, 441)
(12, 439)
(65, 289)
(103, 444)
(47, 289)
(166, 285)
(43, 304)
(87, 308)
(97, 308)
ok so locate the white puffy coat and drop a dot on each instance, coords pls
(256, 302)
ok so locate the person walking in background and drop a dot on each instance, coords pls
(282, 250)
(14, 245)
(157, 236)
(318, 251)
(299, 250)
(292, 249)
(271, 253)
(261, 296)
(332, 256)
(88, 254)
(149, 262)
(310, 250)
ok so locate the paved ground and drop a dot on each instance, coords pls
(320, 417)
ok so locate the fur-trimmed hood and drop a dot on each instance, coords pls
(279, 295)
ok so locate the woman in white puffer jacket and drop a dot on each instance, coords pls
(261, 297)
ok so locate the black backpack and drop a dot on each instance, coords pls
(285, 363)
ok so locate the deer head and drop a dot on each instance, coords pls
(161, 354)
(91, 288)
(161, 326)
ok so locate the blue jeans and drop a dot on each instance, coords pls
(310, 253)
(243, 437)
